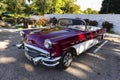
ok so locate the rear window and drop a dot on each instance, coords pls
(66, 22)
(78, 22)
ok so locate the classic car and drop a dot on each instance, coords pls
(56, 46)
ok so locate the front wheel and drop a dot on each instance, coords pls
(66, 60)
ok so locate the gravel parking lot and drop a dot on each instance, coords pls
(102, 65)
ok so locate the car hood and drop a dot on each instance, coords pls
(54, 35)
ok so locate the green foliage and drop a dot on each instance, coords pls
(46, 6)
(56, 6)
(3, 6)
(110, 6)
(71, 7)
(40, 6)
(74, 8)
(16, 6)
(90, 11)
(108, 26)
(95, 12)
(91, 23)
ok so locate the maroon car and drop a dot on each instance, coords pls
(56, 46)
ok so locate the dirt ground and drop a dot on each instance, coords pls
(113, 39)
(102, 65)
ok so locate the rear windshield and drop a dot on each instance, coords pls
(66, 22)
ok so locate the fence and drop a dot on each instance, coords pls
(112, 18)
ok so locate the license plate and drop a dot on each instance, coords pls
(28, 57)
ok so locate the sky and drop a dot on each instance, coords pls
(94, 4)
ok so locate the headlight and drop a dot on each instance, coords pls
(48, 44)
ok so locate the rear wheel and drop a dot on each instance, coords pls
(66, 60)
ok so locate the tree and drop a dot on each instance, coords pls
(16, 6)
(95, 12)
(74, 8)
(56, 6)
(3, 6)
(90, 11)
(40, 6)
(110, 6)
(70, 7)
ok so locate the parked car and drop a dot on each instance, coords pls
(57, 46)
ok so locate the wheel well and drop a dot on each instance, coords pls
(73, 50)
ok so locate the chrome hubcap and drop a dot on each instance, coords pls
(67, 59)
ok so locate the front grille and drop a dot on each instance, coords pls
(34, 53)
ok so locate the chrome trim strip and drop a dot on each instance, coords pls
(51, 65)
(36, 48)
(46, 59)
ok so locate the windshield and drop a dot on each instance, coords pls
(72, 23)
(67, 22)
